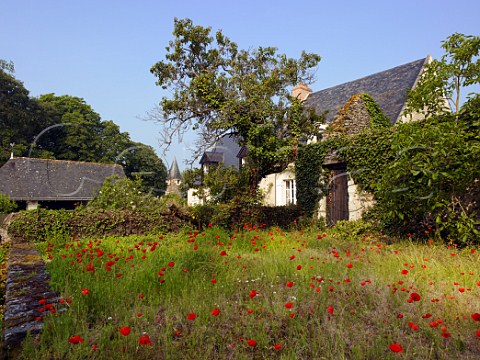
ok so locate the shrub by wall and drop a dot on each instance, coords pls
(41, 224)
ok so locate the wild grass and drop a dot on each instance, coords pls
(297, 294)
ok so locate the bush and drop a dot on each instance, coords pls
(6, 205)
(41, 224)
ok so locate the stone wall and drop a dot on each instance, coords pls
(26, 284)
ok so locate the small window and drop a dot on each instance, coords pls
(291, 192)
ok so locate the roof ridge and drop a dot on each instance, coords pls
(60, 160)
(373, 74)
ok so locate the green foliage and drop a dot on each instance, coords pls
(21, 118)
(422, 174)
(218, 88)
(378, 118)
(219, 185)
(123, 193)
(444, 79)
(40, 225)
(308, 174)
(6, 204)
(434, 179)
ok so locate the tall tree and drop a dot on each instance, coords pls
(218, 88)
(21, 118)
(77, 136)
(443, 80)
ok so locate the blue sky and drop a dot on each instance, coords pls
(103, 50)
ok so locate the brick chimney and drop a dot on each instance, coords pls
(301, 91)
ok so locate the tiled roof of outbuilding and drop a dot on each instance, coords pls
(43, 179)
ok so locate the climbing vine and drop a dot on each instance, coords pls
(378, 118)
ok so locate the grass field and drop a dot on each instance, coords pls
(259, 294)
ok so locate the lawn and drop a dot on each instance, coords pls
(259, 294)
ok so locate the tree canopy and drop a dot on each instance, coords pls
(443, 80)
(218, 88)
(67, 128)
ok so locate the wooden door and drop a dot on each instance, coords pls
(338, 197)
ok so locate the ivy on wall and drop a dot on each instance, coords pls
(366, 153)
(378, 118)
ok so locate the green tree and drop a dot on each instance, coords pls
(21, 118)
(443, 80)
(218, 88)
(78, 134)
(141, 161)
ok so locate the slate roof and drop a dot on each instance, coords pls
(42, 179)
(174, 172)
(388, 88)
(224, 151)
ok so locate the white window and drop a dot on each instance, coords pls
(291, 192)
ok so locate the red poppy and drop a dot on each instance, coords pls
(277, 346)
(289, 305)
(214, 281)
(330, 309)
(413, 326)
(75, 339)
(396, 348)
(404, 272)
(299, 267)
(171, 264)
(252, 342)
(252, 294)
(476, 317)
(478, 333)
(399, 316)
(145, 340)
(85, 291)
(191, 316)
(426, 316)
(215, 312)
(350, 266)
(289, 284)
(125, 330)
(415, 297)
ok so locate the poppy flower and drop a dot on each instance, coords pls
(171, 264)
(396, 348)
(330, 309)
(415, 297)
(75, 339)
(288, 305)
(350, 266)
(289, 284)
(125, 330)
(252, 342)
(215, 312)
(223, 253)
(191, 316)
(277, 346)
(85, 291)
(476, 317)
(252, 294)
(145, 340)
(478, 333)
